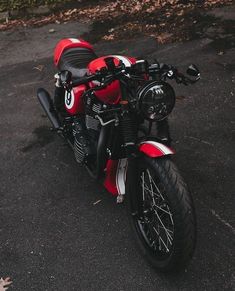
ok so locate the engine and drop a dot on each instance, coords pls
(86, 132)
(93, 107)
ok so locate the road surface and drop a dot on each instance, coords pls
(52, 234)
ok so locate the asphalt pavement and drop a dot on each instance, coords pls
(53, 236)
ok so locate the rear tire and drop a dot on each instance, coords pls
(161, 213)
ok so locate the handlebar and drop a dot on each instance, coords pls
(171, 72)
(107, 74)
(103, 76)
(83, 80)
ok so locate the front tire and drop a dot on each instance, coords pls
(161, 212)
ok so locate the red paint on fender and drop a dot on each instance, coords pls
(155, 149)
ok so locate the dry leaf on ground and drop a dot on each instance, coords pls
(4, 283)
(166, 20)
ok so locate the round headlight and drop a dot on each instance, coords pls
(156, 100)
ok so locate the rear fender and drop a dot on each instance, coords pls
(155, 149)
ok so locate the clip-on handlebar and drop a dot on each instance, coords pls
(111, 72)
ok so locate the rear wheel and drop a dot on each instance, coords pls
(161, 213)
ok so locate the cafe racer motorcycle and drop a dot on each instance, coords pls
(113, 112)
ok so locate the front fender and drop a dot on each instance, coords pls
(155, 149)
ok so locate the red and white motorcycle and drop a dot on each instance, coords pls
(105, 108)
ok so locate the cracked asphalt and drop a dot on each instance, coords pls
(52, 236)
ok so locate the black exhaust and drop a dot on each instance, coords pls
(47, 104)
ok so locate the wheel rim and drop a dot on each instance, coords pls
(156, 224)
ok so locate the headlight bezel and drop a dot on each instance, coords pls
(156, 100)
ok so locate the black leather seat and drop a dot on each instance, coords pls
(76, 60)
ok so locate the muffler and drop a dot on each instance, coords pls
(47, 104)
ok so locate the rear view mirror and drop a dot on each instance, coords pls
(141, 66)
(193, 71)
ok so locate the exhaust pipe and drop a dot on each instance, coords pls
(47, 104)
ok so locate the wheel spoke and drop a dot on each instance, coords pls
(147, 189)
(159, 237)
(167, 212)
(151, 186)
(157, 215)
(170, 231)
(163, 226)
(159, 192)
(143, 187)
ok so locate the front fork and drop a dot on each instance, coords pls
(163, 131)
(132, 182)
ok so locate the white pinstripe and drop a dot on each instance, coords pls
(160, 146)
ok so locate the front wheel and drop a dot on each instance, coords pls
(161, 213)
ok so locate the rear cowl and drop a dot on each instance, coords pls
(69, 43)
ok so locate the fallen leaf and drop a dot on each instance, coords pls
(98, 201)
(164, 37)
(4, 283)
(39, 68)
(181, 97)
(176, 12)
(108, 37)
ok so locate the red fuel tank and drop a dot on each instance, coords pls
(112, 93)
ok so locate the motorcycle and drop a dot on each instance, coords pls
(113, 110)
